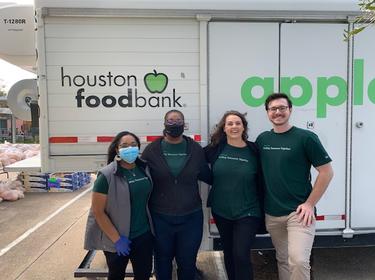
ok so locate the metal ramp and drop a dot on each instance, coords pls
(85, 270)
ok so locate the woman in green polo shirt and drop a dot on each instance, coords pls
(119, 221)
(235, 196)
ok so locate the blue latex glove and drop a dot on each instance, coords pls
(123, 246)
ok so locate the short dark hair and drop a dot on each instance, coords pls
(173, 111)
(115, 142)
(277, 95)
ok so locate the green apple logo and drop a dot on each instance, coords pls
(156, 82)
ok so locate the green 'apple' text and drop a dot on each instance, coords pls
(323, 100)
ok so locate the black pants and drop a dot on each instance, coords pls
(237, 237)
(140, 256)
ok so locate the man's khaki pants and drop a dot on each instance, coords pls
(293, 243)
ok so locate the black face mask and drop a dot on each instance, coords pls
(174, 130)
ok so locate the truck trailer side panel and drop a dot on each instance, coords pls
(103, 70)
(97, 73)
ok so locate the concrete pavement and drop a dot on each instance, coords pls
(54, 249)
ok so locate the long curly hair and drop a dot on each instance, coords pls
(112, 149)
(218, 135)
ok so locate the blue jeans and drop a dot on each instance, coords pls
(177, 237)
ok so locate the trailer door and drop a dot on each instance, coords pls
(314, 71)
(239, 54)
(363, 131)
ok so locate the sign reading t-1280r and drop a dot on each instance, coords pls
(323, 100)
(155, 83)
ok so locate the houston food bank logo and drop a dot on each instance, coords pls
(155, 83)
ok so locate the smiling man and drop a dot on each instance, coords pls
(287, 154)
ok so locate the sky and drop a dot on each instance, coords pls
(18, 1)
(9, 74)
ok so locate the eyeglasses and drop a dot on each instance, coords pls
(174, 122)
(281, 109)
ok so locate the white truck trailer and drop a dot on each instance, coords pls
(108, 66)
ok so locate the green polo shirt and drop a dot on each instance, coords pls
(175, 155)
(234, 189)
(286, 162)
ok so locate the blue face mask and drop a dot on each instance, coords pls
(129, 154)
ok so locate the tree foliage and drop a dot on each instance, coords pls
(2, 88)
(366, 18)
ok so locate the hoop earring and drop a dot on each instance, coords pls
(117, 158)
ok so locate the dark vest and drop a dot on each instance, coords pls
(117, 208)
